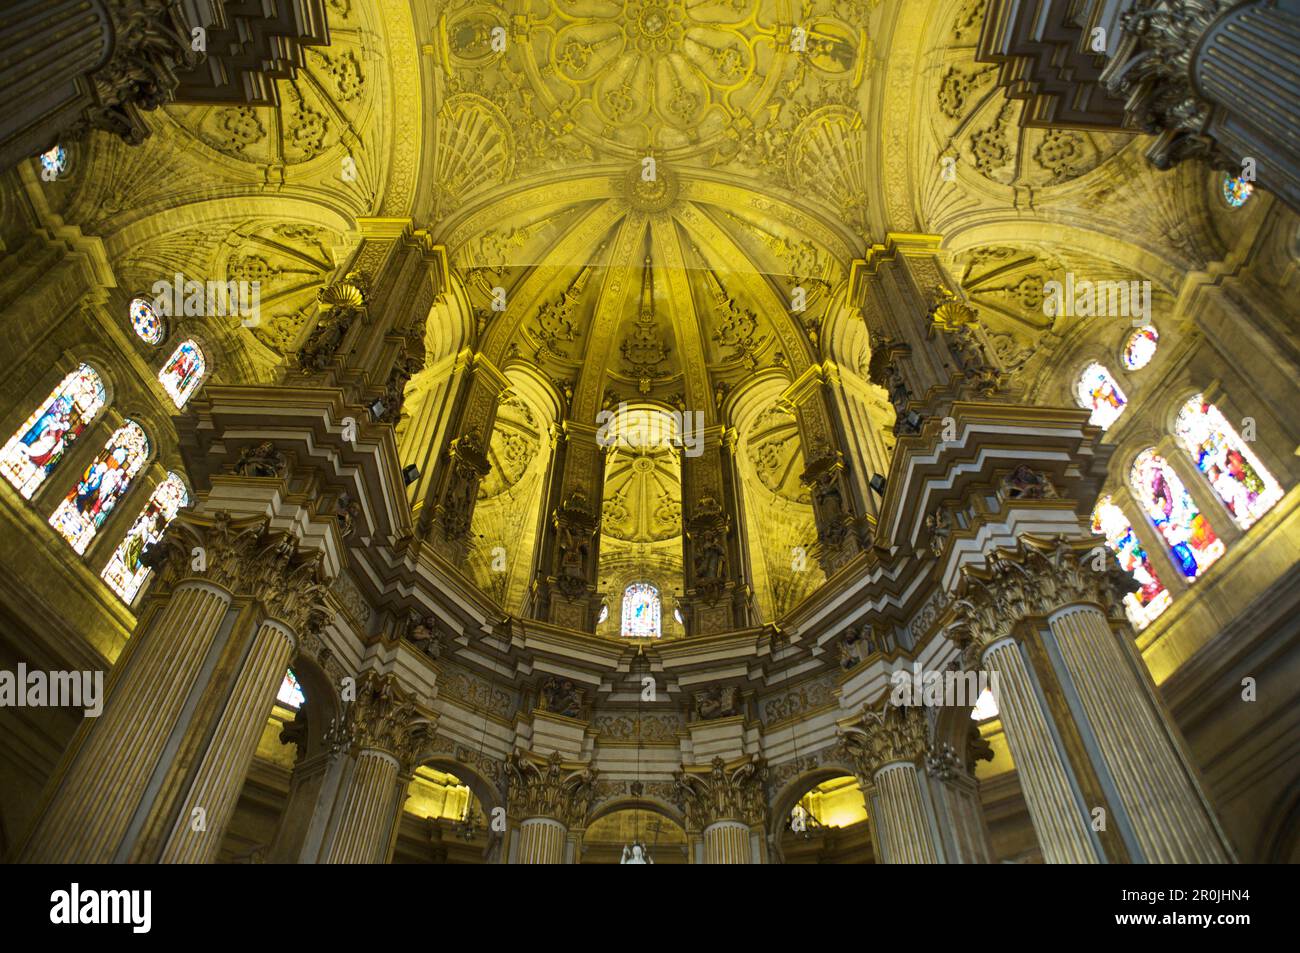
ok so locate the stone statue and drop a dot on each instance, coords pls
(262, 460)
(635, 855)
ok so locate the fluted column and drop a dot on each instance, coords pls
(541, 841)
(1135, 741)
(384, 731)
(1104, 771)
(1055, 805)
(1216, 79)
(546, 799)
(726, 842)
(107, 769)
(230, 753)
(887, 746)
(725, 803)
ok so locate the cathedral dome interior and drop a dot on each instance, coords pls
(640, 431)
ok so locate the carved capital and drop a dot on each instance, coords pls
(549, 788)
(1034, 580)
(246, 558)
(385, 718)
(723, 793)
(894, 733)
(1152, 72)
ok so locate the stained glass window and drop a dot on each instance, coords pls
(290, 694)
(89, 503)
(1098, 392)
(54, 162)
(33, 452)
(604, 613)
(183, 371)
(641, 611)
(1237, 190)
(1238, 478)
(1161, 493)
(1140, 348)
(1153, 598)
(124, 573)
(148, 326)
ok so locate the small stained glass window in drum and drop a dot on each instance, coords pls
(145, 322)
(1236, 190)
(1140, 348)
(54, 163)
(1098, 391)
(641, 611)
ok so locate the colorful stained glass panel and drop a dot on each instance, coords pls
(125, 574)
(1098, 391)
(1238, 478)
(36, 449)
(89, 503)
(1161, 493)
(641, 611)
(1153, 598)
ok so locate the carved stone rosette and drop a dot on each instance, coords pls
(723, 793)
(549, 789)
(246, 558)
(893, 734)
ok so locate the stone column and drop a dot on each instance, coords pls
(568, 554)
(1105, 773)
(887, 747)
(545, 799)
(383, 732)
(194, 686)
(1217, 79)
(449, 507)
(838, 508)
(956, 795)
(106, 771)
(716, 587)
(726, 804)
(230, 753)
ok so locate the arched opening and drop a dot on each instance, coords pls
(452, 815)
(641, 525)
(821, 818)
(780, 528)
(628, 824)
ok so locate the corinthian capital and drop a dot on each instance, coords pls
(549, 788)
(723, 793)
(385, 718)
(1035, 579)
(1152, 71)
(894, 733)
(246, 558)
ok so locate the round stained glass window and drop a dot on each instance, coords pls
(146, 323)
(1237, 190)
(1140, 348)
